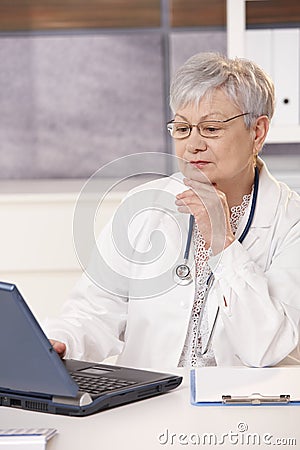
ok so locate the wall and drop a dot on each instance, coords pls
(73, 99)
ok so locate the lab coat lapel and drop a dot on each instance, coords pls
(266, 207)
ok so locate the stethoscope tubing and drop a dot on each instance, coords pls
(189, 238)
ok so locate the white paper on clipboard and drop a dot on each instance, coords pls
(245, 385)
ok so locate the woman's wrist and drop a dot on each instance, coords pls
(228, 241)
(218, 246)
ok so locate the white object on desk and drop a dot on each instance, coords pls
(245, 385)
(26, 439)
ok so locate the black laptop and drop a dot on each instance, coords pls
(33, 377)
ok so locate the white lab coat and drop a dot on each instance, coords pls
(259, 323)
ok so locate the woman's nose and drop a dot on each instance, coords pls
(196, 143)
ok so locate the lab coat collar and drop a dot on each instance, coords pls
(267, 199)
(266, 207)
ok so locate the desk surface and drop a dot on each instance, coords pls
(168, 421)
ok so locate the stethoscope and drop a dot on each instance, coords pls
(182, 272)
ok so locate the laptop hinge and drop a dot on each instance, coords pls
(81, 399)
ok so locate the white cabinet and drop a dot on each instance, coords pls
(285, 72)
(277, 51)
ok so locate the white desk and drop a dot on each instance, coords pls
(137, 426)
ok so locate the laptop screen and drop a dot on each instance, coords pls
(28, 361)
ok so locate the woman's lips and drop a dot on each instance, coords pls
(200, 164)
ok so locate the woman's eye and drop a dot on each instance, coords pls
(182, 129)
(211, 129)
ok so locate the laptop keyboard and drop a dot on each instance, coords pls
(99, 385)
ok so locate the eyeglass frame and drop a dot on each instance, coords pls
(191, 126)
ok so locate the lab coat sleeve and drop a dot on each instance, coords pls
(93, 319)
(91, 325)
(260, 309)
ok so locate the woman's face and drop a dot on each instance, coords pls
(224, 159)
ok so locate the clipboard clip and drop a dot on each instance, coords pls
(255, 399)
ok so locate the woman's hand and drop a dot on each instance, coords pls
(59, 347)
(209, 207)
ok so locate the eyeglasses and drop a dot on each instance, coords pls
(207, 128)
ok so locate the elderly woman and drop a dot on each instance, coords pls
(236, 299)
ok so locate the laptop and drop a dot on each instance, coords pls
(33, 377)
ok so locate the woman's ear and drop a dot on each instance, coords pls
(260, 128)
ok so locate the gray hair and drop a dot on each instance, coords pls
(244, 82)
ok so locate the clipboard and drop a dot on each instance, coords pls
(245, 386)
(26, 438)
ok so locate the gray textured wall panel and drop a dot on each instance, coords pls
(69, 104)
(185, 44)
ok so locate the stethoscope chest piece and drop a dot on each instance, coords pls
(182, 275)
